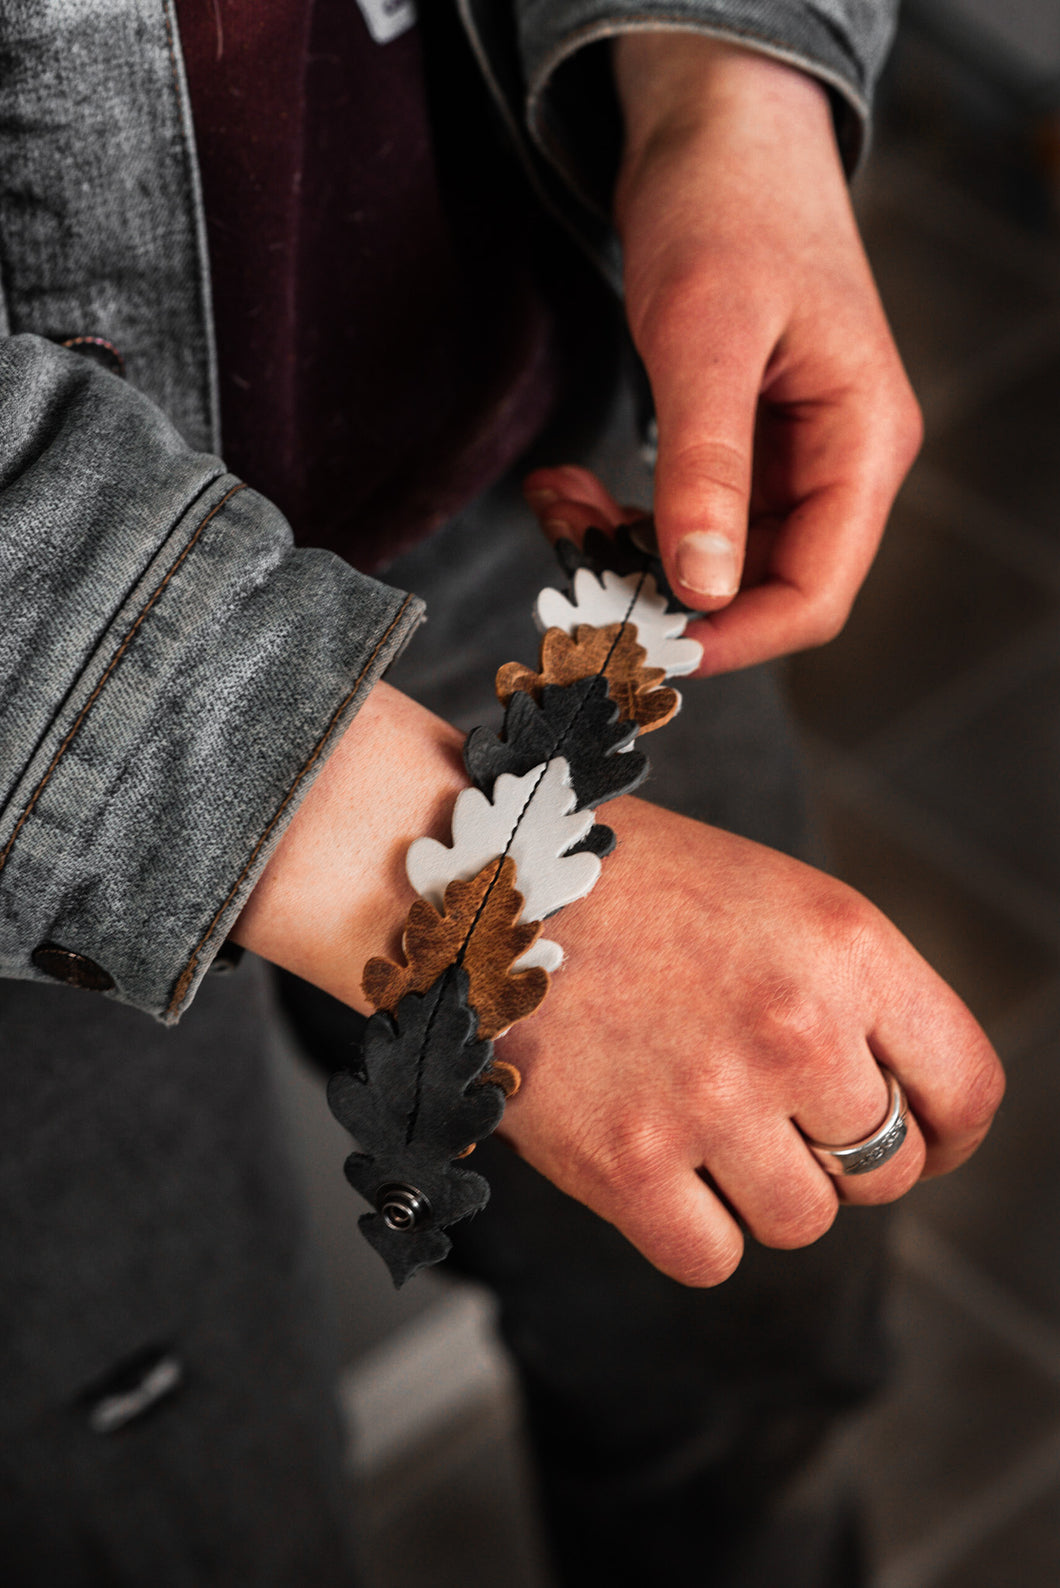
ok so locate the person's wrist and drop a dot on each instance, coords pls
(335, 890)
(672, 83)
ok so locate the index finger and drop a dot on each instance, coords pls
(828, 472)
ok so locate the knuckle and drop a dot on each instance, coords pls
(695, 1252)
(724, 465)
(826, 615)
(803, 1221)
(679, 300)
(708, 481)
(907, 420)
(897, 420)
(654, 320)
(848, 921)
(911, 425)
(703, 1269)
(891, 1182)
(979, 1098)
(789, 1017)
(635, 1154)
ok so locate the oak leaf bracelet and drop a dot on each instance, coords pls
(525, 842)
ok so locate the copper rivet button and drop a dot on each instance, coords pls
(76, 970)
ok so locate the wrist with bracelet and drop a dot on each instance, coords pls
(525, 842)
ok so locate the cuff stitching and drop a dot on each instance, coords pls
(131, 634)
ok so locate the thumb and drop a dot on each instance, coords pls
(706, 415)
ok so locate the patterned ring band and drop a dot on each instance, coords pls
(860, 1157)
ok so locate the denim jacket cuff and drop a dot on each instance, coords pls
(840, 42)
(181, 676)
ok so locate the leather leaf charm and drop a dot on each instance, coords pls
(578, 721)
(478, 929)
(413, 1107)
(535, 820)
(631, 548)
(613, 651)
(474, 960)
(603, 598)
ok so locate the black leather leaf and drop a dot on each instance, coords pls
(414, 1104)
(619, 553)
(600, 841)
(579, 721)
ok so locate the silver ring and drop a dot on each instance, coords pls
(860, 1157)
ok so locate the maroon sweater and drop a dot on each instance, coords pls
(384, 354)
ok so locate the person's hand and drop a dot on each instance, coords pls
(717, 999)
(786, 422)
(720, 1003)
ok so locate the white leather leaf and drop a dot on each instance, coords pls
(613, 598)
(544, 952)
(532, 818)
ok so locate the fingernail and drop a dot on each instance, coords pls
(706, 563)
(558, 526)
(541, 498)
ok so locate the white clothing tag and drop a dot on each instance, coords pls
(388, 19)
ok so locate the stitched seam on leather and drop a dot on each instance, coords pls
(145, 612)
(189, 970)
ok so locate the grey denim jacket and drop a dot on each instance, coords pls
(174, 673)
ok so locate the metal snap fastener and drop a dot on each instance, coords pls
(403, 1207)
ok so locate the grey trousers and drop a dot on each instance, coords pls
(166, 1408)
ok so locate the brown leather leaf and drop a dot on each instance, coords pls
(612, 650)
(488, 909)
(504, 1075)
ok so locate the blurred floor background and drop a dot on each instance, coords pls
(933, 735)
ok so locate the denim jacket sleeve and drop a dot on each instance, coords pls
(174, 674)
(550, 76)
